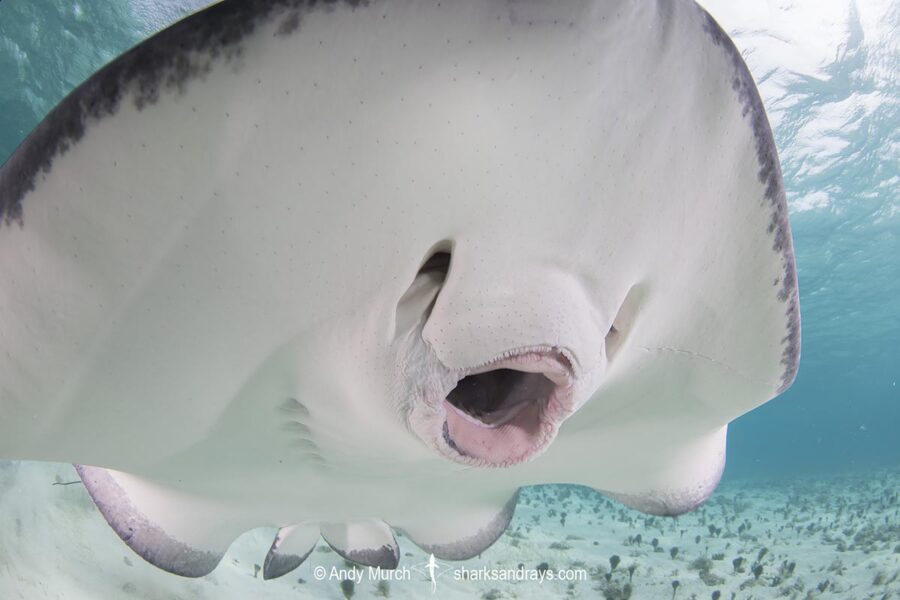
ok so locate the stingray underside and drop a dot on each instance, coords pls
(211, 250)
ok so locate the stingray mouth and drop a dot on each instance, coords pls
(508, 410)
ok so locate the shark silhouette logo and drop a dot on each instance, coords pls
(432, 570)
(432, 565)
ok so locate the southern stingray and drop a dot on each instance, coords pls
(343, 268)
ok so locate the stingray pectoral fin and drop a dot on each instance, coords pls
(292, 545)
(461, 535)
(678, 481)
(371, 542)
(172, 533)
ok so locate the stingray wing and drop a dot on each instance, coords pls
(262, 170)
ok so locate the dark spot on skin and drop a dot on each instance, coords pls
(168, 61)
(289, 25)
(770, 176)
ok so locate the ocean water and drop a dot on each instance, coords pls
(829, 75)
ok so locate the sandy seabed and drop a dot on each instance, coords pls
(798, 539)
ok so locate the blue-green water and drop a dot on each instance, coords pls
(829, 74)
(837, 128)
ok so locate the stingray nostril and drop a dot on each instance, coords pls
(624, 321)
(438, 258)
(437, 262)
(414, 307)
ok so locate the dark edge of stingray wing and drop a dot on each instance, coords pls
(710, 460)
(165, 61)
(147, 539)
(291, 546)
(475, 536)
(770, 176)
(675, 501)
(375, 547)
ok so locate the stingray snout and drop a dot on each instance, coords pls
(507, 409)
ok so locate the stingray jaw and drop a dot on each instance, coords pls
(505, 411)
